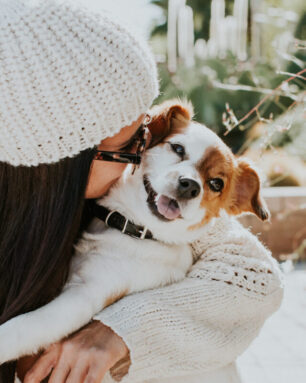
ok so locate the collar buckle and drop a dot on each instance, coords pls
(143, 232)
(125, 225)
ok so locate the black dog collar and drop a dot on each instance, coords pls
(113, 218)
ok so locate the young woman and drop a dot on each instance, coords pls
(70, 82)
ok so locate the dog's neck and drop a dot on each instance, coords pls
(124, 197)
(128, 197)
(123, 200)
(116, 220)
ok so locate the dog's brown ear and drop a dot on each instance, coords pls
(169, 118)
(246, 192)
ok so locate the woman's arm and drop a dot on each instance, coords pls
(197, 325)
(208, 319)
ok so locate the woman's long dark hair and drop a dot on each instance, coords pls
(41, 212)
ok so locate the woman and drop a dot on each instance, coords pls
(72, 81)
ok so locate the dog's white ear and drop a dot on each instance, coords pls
(245, 196)
(169, 118)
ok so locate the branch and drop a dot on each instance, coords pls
(291, 74)
(230, 121)
(249, 88)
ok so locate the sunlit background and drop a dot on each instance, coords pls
(142, 14)
(242, 64)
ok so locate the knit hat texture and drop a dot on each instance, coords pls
(69, 77)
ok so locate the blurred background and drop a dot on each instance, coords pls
(242, 64)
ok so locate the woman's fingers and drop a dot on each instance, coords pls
(43, 366)
(60, 372)
(78, 372)
(95, 374)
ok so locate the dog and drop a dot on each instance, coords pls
(187, 179)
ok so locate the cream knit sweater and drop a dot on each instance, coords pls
(199, 326)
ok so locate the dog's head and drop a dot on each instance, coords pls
(188, 176)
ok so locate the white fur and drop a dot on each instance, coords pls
(108, 263)
(115, 263)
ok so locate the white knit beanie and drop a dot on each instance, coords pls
(68, 79)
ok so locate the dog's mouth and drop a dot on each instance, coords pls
(162, 206)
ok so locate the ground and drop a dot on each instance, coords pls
(278, 355)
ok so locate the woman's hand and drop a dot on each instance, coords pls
(84, 357)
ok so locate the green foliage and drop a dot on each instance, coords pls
(200, 83)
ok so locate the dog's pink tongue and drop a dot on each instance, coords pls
(168, 207)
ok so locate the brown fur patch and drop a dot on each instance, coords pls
(246, 192)
(241, 192)
(115, 297)
(217, 162)
(169, 118)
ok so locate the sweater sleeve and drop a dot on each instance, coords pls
(205, 321)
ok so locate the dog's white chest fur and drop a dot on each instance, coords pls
(143, 263)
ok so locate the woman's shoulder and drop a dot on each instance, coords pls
(227, 231)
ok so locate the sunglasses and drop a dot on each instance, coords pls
(139, 142)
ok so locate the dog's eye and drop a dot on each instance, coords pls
(216, 184)
(178, 149)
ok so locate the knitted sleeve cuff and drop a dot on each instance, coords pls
(127, 319)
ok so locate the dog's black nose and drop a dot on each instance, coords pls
(188, 188)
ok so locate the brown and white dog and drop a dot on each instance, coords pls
(188, 177)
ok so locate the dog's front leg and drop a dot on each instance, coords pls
(72, 309)
(27, 333)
